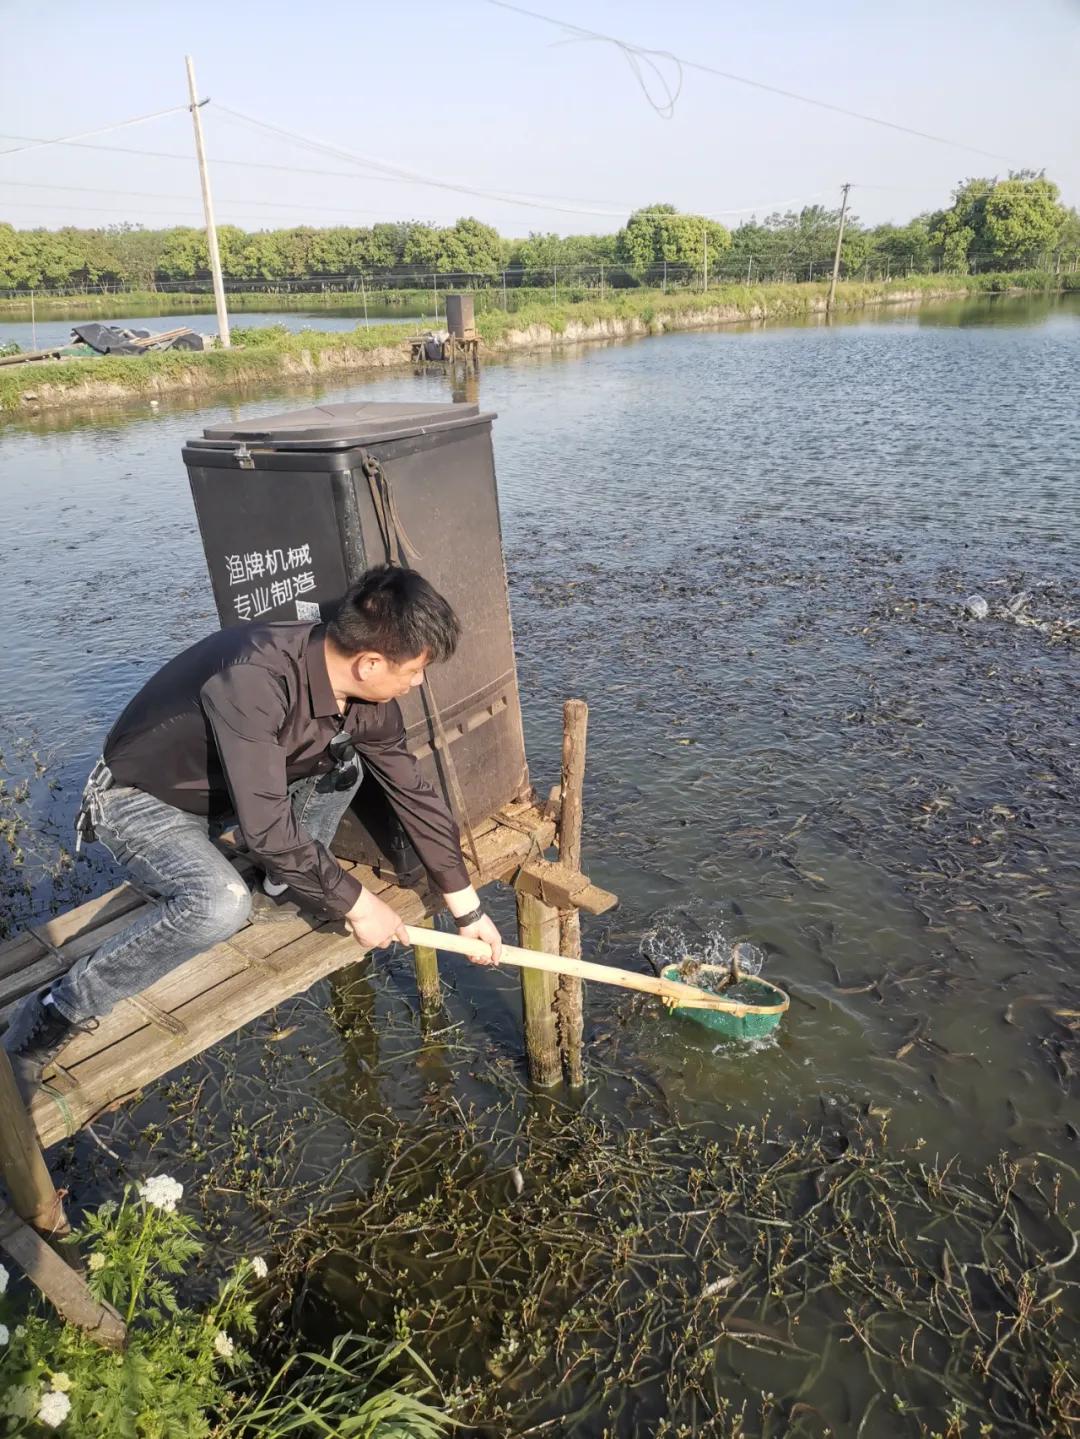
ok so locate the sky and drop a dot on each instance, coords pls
(557, 131)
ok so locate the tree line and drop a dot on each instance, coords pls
(1011, 224)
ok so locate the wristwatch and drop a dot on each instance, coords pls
(462, 921)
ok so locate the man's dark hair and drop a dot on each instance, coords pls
(396, 613)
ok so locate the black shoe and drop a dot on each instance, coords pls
(37, 1034)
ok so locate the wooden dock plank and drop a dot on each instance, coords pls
(23, 949)
(206, 999)
(26, 963)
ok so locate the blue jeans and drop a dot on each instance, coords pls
(203, 901)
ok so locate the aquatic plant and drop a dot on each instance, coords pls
(642, 1280)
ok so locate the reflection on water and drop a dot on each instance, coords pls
(749, 553)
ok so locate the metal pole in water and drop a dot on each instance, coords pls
(208, 209)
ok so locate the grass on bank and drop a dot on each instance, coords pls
(274, 352)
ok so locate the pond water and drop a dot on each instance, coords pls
(750, 552)
(58, 332)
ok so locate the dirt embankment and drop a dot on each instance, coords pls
(31, 390)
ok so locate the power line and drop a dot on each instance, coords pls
(416, 177)
(164, 195)
(614, 209)
(503, 197)
(101, 130)
(628, 49)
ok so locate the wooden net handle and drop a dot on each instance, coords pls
(688, 995)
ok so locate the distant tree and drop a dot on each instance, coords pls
(138, 253)
(901, 248)
(1023, 219)
(388, 245)
(263, 258)
(661, 233)
(12, 257)
(1009, 223)
(468, 246)
(855, 254)
(183, 254)
(537, 257)
(422, 247)
(1069, 238)
(999, 224)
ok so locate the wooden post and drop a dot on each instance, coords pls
(427, 975)
(65, 1289)
(22, 1164)
(538, 928)
(570, 999)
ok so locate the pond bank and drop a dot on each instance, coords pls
(259, 355)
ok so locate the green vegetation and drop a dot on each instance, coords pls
(261, 354)
(992, 224)
(183, 1373)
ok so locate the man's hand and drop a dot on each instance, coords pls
(464, 901)
(374, 923)
(484, 929)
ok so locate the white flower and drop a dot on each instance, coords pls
(54, 1408)
(3, 1279)
(224, 1345)
(258, 1267)
(5, 1336)
(96, 1261)
(161, 1192)
(62, 1382)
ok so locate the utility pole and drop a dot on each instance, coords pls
(705, 237)
(208, 209)
(839, 242)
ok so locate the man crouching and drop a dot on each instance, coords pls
(271, 728)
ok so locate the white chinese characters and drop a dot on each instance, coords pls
(285, 573)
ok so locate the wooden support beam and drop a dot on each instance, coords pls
(65, 1289)
(538, 928)
(570, 1000)
(427, 975)
(22, 1164)
(562, 887)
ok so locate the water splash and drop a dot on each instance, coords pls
(695, 931)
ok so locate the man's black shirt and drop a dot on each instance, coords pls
(228, 724)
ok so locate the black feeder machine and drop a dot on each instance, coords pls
(293, 508)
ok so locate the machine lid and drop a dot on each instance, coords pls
(333, 427)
